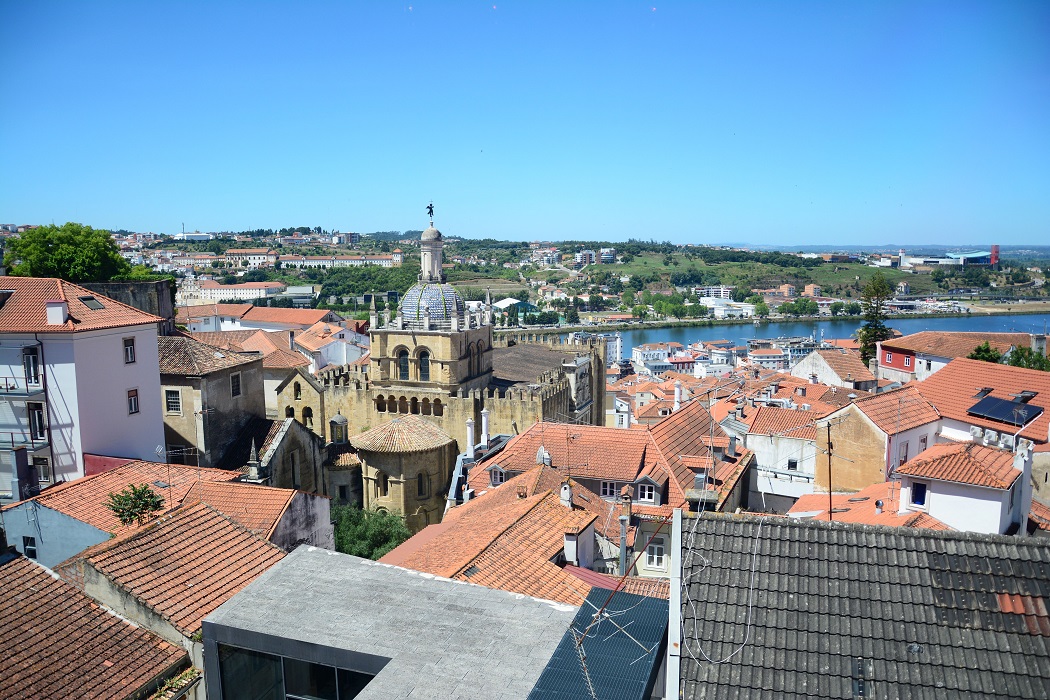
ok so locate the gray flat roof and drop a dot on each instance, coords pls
(443, 639)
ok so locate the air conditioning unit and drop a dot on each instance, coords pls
(976, 433)
(1006, 441)
(990, 437)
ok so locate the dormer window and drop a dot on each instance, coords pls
(646, 493)
(497, 476)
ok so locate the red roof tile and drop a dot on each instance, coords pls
(847, 365)
(859, 508)
(58, 643)
(651, 587)
(953, 390)
(955, 344)
(185, 356)
(85, 499)
(403, 434)
(258, 509)
(964, 463)
(772, 420)
(899, 410)
(186, 564)
(301, 317)
(24, 311)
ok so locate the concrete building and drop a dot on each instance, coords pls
(78, 374)
(919, 355)
(346, 630)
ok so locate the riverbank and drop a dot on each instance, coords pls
(1017, 310)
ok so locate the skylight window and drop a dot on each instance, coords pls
(983, 392)
(91, 302)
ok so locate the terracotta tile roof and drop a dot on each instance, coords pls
(301, 317)
(846, 364)
(525, 362)
(262, 431)
(343, 456)
(847, 343)
(653, 408)
(859, 508)
(404, 434)
(24, 311)
(953, 344)
(899, 410)
(500, 543)
(185, 313)
(1039, 516)
(187, 357)
(772, 420)
(58, 643)
(258, 509)
(85, 499)
(952, 390)
(271, 344)
(319, 335)
(650, 587)
(964, 463)
(185, 565)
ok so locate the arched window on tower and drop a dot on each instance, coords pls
(402, 365)
(381, 404)
(424, 366)
(308, 417)
(414, 406)
(426, 407)
(421, 485)
(481, 356)
(289, 412)
(439, 409)
(298, 388)
(402, 405)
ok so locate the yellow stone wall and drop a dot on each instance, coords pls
(858, 455)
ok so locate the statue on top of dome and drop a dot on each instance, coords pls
(430, 211)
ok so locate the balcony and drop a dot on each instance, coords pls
(12, 439)
(18, 387)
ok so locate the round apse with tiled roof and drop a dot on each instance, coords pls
(402, 435)
(440, 299)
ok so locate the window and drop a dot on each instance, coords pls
(173, 400)
(929, 365)
(308, 417)
(92, 303)
(29, 546)
(402, 365)
(903, 454)
(889, 357)
(298, 391)
(918, 495)
(497, 477)
(424, 366)
(439, 409)
(235, 384)
(129, 350)
(907, 360)
(922, 443)
(646, 492)
(289, 412)
(133, 401)
(792, 465)
(31, 364)
(37, 428)
(344, 493)
(382, 485)
(43, 469)
(421, 485)
(654, 554)
(609, 489)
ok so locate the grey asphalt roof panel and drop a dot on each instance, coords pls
(795, 626)
(621, 650)
(442, 638)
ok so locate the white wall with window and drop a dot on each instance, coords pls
(960, 506)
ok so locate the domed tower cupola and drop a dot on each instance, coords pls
(432, 303)
(431, 245)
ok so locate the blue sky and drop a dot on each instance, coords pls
(701, 122)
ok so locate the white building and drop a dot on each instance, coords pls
(209, 291)
(79, 374)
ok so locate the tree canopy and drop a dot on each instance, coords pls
(367, 533)
(873, 300)
(1029, 359)
(134, 504)
(74, 252)
(986, 353)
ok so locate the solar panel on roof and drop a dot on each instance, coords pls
(1005, 411)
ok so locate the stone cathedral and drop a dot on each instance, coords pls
(439, 361)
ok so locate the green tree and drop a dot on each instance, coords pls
(873, 300)
(134, 504)
(986, 353)
(628, 298)
(853, 308)
(761, 309)
(572, 315)
(837, 308)
(367, 533)
(1029, 359)
(72, 251)
(640, 311)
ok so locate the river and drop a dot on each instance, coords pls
(833, 328)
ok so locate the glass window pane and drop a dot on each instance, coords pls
(351, 683)
(249, 675)
(306, 681)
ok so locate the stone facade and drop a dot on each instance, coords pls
(411, 483)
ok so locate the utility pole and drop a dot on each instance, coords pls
(831, 514)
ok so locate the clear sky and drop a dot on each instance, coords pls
(757, 122)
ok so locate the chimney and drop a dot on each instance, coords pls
(484, 428)
(57, 311)
(566, 495)
(1039, 343)
(878, 507)
(470, 438)
(1023, 463)
(623, 544)
(677, 395)
(732, 446)
(291, 340)
(571, 547)
(813, 378)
